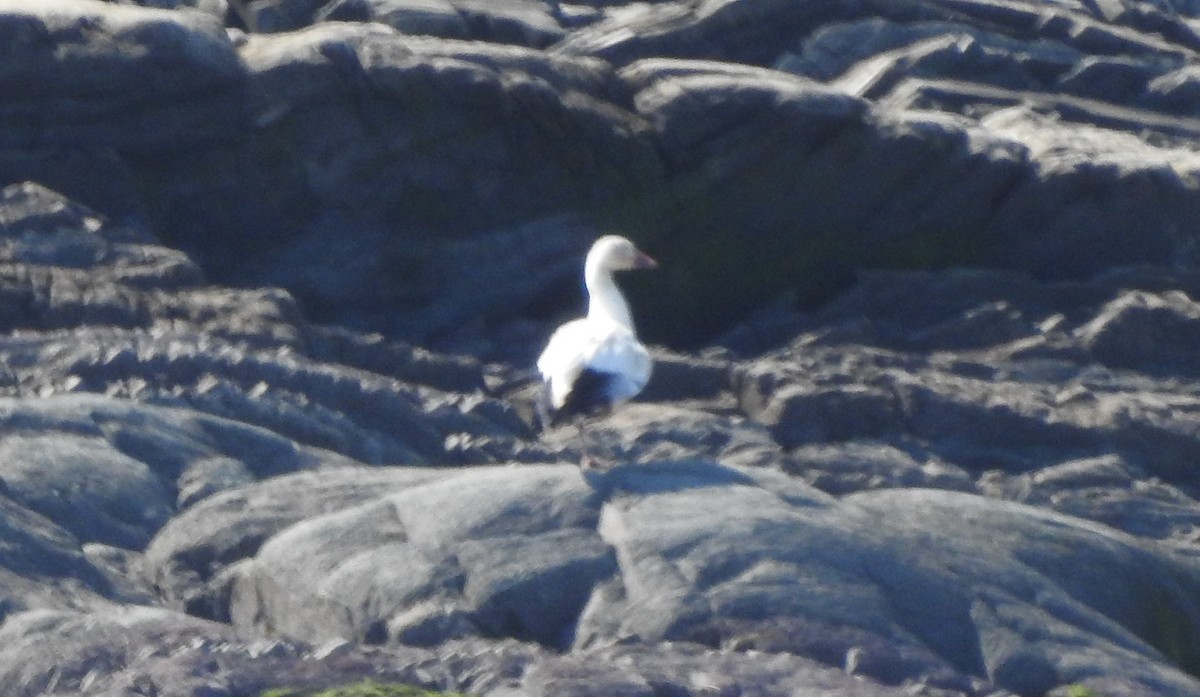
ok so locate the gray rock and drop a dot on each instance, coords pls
(523, 22)
(92, 652)
(104, 311)
(1155, 333)
(83, 74)
(1011, 659)
(1106, 489)
(281, 15)
(43, 566)
(218, 9)
(622, 556)
(950, 482)
(681, 669)
(186, 560)
(556, 130)
(877, 47)
(942, 163)
(993, 190)
(108, 470)
(1174, 92)
(843, 468)
(96, 177)
(926, 377)
(121, 650)
(642, 433)
(726, 30)
(94, 490)
(415, 535)
(459, 293)
(123, 570)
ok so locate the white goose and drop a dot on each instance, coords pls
(594, 363)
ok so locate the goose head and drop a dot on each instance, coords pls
(615, 253)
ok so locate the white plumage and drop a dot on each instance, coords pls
(596, 362)
(603, 347)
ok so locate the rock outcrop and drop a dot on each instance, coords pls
(924, 412)
(1051, 139)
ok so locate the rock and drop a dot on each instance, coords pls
(97, 492)
(123, 570)
(1106, 489)
(680, 377)
(99, 180)
(151, 328)
(887, 556)
(929, 392)
(218, 9)
(994, 160)
(728, 30)
(683, 669)
(918, 136)
(643, 433)
(1156, 333)
(409, 529)
(843, 468)
(392, 182)
(463, 292)
(848, 53)
(803, 415)
(85, 660)
(32, 208)
(523, 22)
(107, 469)
(273, 275)
(43, 565)
(188, 556)
(1174, 92)
(127, 649)
(139, 80)
(281, 15)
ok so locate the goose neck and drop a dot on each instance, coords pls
(605, 301)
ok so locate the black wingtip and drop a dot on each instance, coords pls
(590, 395)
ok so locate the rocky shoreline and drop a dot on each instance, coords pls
(925, 414)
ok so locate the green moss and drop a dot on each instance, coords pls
(1080, 691)
(367, 688)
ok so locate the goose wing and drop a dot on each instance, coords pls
(617, 363)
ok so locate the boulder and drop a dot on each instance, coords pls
(114, 471)
(958, 377)
(139, 649)
(736, 31)
(905, 585)
(803, 141)
(84, 73)
(1153, 332)
(103, 309)
(43, 565)
(1108, 489)
(641, 433)
(188, 559)
(523, 22)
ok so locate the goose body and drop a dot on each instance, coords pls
(596, 362)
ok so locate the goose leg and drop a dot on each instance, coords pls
(585, 459)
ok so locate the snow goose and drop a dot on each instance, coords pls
(594, 363)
